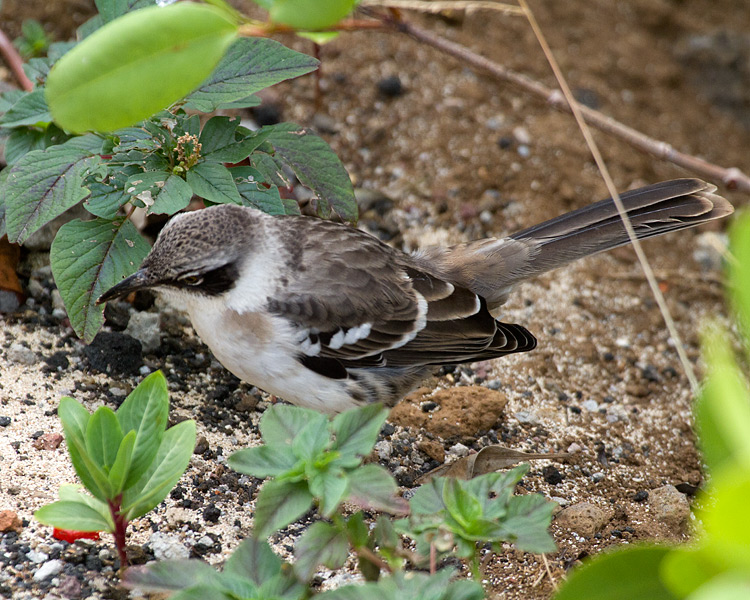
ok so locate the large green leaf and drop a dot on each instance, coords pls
(214, 182)
(304, 15)
(316, 166)
(254, 193)
(67, 514)
(625, 574)
(281, 423)
(145, 411)
(89, 257)
(372, 487)
(43, 184)
(136, 65)
(164, 472)
(329, 486)
(249, 65)
(31, 109)
(25, 139)
(254, 560)
(313, 438)
(168, 193)
(280, 503)
(321, 544)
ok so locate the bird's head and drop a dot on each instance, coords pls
(197, 253)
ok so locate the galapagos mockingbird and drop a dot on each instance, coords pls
(327, 316)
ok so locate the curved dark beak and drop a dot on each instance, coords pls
(137, 281)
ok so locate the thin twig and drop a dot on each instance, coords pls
(11, 56)
(733, 178)
(437, 6)
(594, 148)
(549, 572)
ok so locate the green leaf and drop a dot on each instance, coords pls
(249, 65)
(105, 200)
(685, 569)
(213, 182)
(163, 473)
(121, 467)
(171, 575)
(330, 487)
(303, 15)
(316, 166)
(625, 574)
(73, 493)
(66, 514)
(263, 461)
(280, 503)
(739, 272)
(321, 544)
(137, 65)
(728, 586)
(462, 506)
(357, 530)
(281, 423)
(75, 419)
(30, 109)
(254, 560)
(43, 184)
(167, 193)
(357, 429)
(103, 437)
(89, 257)
(218, 133)
(312, 439)
(527, 523)
(722, 411)
(428, 498)
(232, 150)
(372, 487)
(25, 139)
(111, 9)
(254, 193)
(145, 411)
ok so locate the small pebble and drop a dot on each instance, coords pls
(391, 87)
(597, 477)
(590, 405)
(458, 450)
(49, 569)
(640, 496)
(5, 421)
(18, 353)
(167, 547)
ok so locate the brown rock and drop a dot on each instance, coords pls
(48, 441)
(462, 412)
(669, 506)
(432, 449)
(584, 518)
(10, 521)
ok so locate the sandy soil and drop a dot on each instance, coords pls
(462, 156)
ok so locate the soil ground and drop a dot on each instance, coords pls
(460, 156)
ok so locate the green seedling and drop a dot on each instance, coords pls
(127, 460)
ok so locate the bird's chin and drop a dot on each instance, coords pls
(175, 298)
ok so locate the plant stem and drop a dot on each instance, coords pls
(476, 572)
(121, 524)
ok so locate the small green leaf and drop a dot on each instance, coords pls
(280, 424)
(66, 514)
(123, 460)
(145, 411)
(312, 439)
(73, 493)
(103, 437)
(137, 65)
(253, 559)
(330, 487)
(739, 272)
(163, 473)
(105, 200)
(112, 9)
(213, 182)
(30, 109)
(372, 487)
(303, 15)
(255, 194)
(169, 193)
(280, 503)
(321, 544)
(316, 166)
(249, 65)
(89, 257)
(628, 573)
(428, 499)
(25, 139)
(462, 506)
(263, 461)
(42, 185)
(357, 429)
(527, 523)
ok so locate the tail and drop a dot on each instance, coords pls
(493, 267)
(653, 210)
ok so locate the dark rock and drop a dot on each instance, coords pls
(201, 445)
(640, 496)
(211, 514)
(391, 87)
(552, 475)
(114, 353)
(58, 360)
(5, 421)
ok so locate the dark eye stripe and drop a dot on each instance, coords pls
(214, 282)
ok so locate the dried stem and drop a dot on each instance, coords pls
(11, 56)
(733, 178)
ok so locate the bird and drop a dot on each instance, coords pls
(326, 316)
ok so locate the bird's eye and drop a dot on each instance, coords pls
(191, 279)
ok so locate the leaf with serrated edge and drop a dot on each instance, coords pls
(88, 258)
(145, 411)
(263, 461)
(316, 166)
(372, 487)
(357, 429)
(168, 465)
(280, 503)
(31, 109)
(280, 424)
(213, 182)
(254, 560)
(249, 65)
(42, 185)
(321, 544)
(67, 514)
